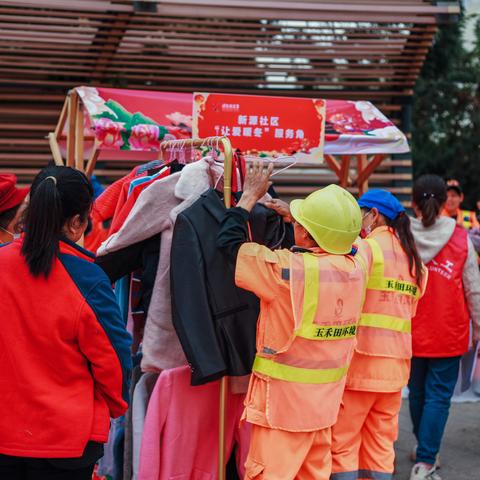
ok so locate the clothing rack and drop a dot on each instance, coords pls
(210, 142)
(227, 199)
(213, 142)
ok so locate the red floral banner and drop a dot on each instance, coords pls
(130, 124)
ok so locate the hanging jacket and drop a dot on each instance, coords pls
(155, 213)
(381, 362)
(310, 306)
(215, 320)
(64, 352)
(142, 256)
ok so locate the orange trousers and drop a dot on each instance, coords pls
(364, 436)
(281, 455)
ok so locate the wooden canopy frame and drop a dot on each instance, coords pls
(357, 50)
(365, 166)
(75, 137)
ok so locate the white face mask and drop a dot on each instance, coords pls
(368, 230)
(15, 236)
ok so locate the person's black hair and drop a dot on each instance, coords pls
(401, 226)
(57, 194)
(8, 215)
(429, 195)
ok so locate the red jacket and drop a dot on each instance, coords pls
(64, 355)
(441, 326)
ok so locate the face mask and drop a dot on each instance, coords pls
(15, 236)
(365, 232)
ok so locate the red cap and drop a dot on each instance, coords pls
(10, 195)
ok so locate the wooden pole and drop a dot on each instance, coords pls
(79, 140)
(361, 179)
(92, 161)
(61, 121)
(344, 171)
(54, 147)
(369, 167)
(227, 198)
(72, 121)
(333, 164)
(222, 412)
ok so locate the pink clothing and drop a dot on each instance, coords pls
(180, 438)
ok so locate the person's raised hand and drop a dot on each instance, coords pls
(257, 182)
(281, 207)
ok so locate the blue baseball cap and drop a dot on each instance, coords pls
(386, 203)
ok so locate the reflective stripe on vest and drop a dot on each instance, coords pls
(378, 281)
(296, 374)
(385, 324)
(386, 321)
(310, 304)
(467, 218)
(308, 330)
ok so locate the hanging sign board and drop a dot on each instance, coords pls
(255, 124)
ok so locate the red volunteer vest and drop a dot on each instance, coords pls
(441, 326)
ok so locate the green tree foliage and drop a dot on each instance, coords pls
(446, 112)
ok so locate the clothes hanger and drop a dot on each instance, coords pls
(252, 158)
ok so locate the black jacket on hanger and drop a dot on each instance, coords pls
(214, 319)
(142, 256)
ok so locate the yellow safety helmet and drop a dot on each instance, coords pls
(331, 216)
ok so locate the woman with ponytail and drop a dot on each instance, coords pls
(64, 351)
(441, 327)
(363, 438)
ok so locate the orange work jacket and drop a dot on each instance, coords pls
(310, 304)
(384, 341)
(465, 218)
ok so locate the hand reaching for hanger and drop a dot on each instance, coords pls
(257, 182)
(281, 207)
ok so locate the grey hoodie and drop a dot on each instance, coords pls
(431, 240)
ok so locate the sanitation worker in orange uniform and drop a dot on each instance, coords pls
(364, 436)
(310, 305)
(464, 218)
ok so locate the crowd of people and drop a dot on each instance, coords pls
(368, 300)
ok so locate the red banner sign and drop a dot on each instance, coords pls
(256, 124)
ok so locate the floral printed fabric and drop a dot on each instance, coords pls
(118, 129)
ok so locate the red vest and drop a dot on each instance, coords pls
(441, 326)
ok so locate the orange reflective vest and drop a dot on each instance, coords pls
(465, 218)
(306, 377)
(392, 294)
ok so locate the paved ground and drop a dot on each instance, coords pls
(460, 454)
